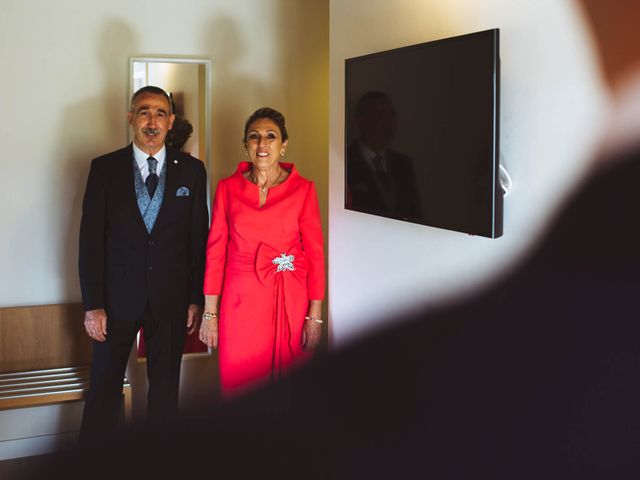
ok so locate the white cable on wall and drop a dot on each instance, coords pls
(505, 180)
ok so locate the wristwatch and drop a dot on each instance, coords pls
(209, 316)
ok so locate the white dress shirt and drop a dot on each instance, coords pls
(143, 165)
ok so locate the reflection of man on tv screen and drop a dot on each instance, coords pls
(379, 180)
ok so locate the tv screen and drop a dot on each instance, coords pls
(422, 134)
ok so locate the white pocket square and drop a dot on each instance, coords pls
(182, 192)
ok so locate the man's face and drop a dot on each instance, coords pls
(151, 120)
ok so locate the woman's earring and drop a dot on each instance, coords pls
(246, 152)
(282, 153)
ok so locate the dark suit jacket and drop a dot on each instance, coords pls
(122, 266)
(364, 194)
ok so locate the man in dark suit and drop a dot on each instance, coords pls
(380, 180)
(142, 248)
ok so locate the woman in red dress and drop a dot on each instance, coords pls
(265, 262)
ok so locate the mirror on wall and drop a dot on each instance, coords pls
(188, 83)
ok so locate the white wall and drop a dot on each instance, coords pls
(551, 97)
(63, 98)
(38, 430)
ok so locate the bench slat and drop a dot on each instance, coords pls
(43, 381)
(23, 389)
(42, 399)
(44, 388)
(52, 372)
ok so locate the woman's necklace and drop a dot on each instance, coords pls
(264, 187)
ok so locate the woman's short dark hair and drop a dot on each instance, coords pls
(271, 114)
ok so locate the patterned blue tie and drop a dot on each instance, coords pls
(152, 179)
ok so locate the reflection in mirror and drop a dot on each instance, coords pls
(187, 81)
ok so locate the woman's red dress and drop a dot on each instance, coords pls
(266, 263)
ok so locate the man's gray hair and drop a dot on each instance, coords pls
(154, 91)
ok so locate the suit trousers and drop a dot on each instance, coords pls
(164, 339)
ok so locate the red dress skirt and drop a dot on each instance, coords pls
(267, 263)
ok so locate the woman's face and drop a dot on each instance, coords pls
(264, 143)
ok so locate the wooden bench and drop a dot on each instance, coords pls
(45, 357)
(54, 385)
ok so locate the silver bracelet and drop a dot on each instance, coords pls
(317, 320)
(209, 316)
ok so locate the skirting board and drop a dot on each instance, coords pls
(27, 447)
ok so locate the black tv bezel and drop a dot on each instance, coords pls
(497, 194)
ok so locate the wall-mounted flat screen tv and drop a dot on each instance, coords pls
(421, 136)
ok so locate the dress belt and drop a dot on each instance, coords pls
(241, 262)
